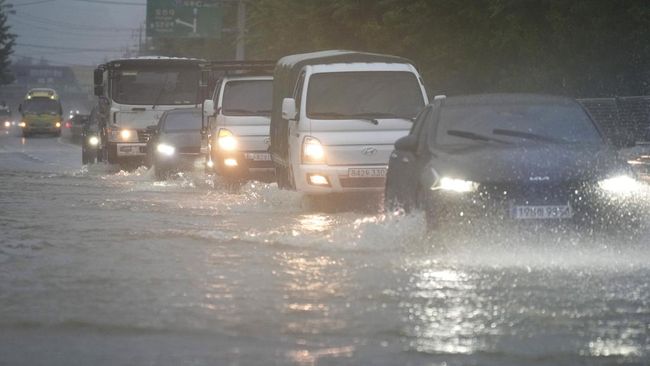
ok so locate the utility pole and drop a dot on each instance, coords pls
(241, 30)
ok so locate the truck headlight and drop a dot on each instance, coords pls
(123, 135)
(7, 124)
(226, 140)
(57, 125)
(165, 149)
(93, 141)
(455, 185)
(312, 151)
(622, 184)
(22, 124)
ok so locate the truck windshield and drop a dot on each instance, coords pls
(182, 121)
(41, 106)
(159, 86)
(380, 94)
(247, 98)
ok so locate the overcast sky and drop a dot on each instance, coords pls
(75, 32)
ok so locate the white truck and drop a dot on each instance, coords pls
(237, 119)
(132, 95)
(336, 115)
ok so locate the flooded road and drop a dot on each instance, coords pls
(101, 267)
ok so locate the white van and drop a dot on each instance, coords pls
(239, 115)
(336, 115)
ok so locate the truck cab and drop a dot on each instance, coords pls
(336, 115)
(133, 94)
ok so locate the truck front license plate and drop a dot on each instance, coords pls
(367, 172)
(542, 212)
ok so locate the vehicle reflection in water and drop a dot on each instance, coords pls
(315, 223)
(447, 314)
(315, 293)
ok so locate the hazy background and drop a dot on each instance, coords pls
(76, 32)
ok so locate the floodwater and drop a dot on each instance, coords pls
(105, 267)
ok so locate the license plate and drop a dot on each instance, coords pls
(130, 150)
(367, 172)
(542, 212)
(258, 156)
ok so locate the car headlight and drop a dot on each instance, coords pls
(622, 184)
(93, 141)
(7, 124)
(455, 185)
(165, 149)
(312, 151)
(57, 124)
(22, 124)
(226, 140)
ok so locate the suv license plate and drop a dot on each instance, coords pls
(367, 172)
(542, 212)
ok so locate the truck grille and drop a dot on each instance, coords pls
(143, 136)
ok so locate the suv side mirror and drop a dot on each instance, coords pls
(208, 107)
(289, 109)
(407, 143)
(152, 129)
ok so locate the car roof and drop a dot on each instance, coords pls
(508, 98)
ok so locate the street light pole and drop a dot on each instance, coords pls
(241, 30)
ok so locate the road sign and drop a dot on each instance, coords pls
(184, 18)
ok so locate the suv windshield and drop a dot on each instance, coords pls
(41, 106)
(149, 86)
(515, 122)
(247, 98)
(180, 121)
(379, 94)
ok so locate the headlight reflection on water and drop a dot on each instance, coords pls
(446, 315)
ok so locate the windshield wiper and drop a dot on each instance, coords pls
(160, 92)
(528, 135)
(474, 136)
(247, 111)
(363, 117)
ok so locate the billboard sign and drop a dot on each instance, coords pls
(184, 18)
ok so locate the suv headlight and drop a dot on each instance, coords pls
(312, 151)
(455, 185)
(226, 140)
(622, 184)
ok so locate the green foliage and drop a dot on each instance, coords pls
(573, 47)
(7, 40)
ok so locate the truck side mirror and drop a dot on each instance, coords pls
(208, 107)
(99, 90)
(289, 109)
(98, 77)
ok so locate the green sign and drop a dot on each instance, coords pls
(184, 18)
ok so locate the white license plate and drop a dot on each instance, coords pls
(128, 150)
(258, 156)
(367, 172)
(542, 212)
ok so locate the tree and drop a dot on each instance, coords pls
(7, 41)
(580, 48)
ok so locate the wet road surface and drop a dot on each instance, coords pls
(105, 267)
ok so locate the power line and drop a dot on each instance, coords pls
(110, 2)
(15, 5)
(68, 48)
(81, 27)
